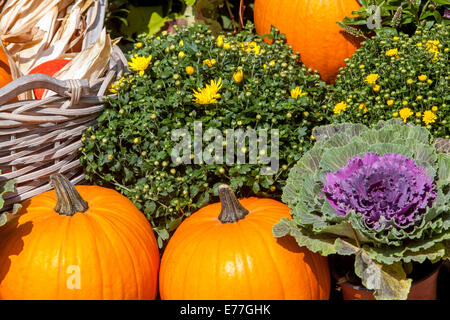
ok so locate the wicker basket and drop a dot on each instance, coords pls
(42, 137)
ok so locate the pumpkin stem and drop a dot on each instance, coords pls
(232, 210)
(68, 200)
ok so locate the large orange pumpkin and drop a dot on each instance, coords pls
(5, 71)
(64, 247)
(227, 251)
(310, 27)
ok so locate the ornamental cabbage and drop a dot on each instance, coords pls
(381, 194)
(388, 190)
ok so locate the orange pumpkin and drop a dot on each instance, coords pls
(5, 71)
(227, 251)
(310, 27)
(49, 68)
(64, 247)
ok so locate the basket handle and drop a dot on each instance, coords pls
(39, 80)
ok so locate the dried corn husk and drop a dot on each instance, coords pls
(41, 30)
(36, 31)
(89, 64)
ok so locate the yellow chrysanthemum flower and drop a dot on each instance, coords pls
(341, 106)
(297, 92)
(363, 107)
(190, 70)
(422, 77)
(432, 47)
(215, 85)
(376, 88)
(207, 62)
(219, 41)
(405, 113)
(138, 45)
(390, 102)
(429, 117)
(139, 63)
(209, 94)
(227, 46)
(392, 52)
(181, 55)
(238, 76)
(371, 78)
(251, 47)
(434, 108)
(115, 86)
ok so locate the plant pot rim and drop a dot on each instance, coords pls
(435, 269)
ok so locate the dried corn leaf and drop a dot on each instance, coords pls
(60, 43)
(91, 63)
(39, 31)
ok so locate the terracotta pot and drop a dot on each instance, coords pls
(423, 289)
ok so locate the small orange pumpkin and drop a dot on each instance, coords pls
(226, 250)
(5, 71)
(310, 27)
(49, 68)
(83, 242)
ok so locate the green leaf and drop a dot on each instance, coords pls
(389, 282)
(149, 207)
(345, 248)
(174, 224)
(336, 158)
(441, 2)
(281, 228)
(203, 200)
(387, 31)
(138, 19)
(444, 168)
(156, 22)
(189, 2)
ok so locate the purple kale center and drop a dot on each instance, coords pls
(386, 190)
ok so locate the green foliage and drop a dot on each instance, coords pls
(7, 187)
(131, 146)
(128, 19)
(393, 16)
(411, 84)
(379, 253)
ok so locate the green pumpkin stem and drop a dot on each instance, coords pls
(68, 200)
(232, 210)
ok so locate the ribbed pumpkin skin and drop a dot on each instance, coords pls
(112, 244)
(310, 27)
(5, 71)
(206, 259)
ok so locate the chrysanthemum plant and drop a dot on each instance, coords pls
(397, 76)
(380, 194)
(225, 83)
